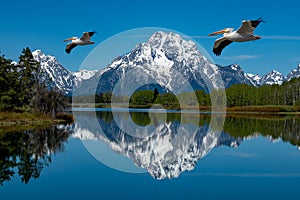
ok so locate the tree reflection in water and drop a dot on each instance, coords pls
(27, 152)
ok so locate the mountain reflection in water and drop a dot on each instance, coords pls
(163, 144)
(170, 145)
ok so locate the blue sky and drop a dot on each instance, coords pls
(45, 24)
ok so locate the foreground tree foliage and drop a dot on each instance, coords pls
(24, 87)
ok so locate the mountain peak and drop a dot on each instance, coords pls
(40, 56)
(38, 53)
(174, 46)
(295, 73)
(161, 46)
(163, 58)
(158, 39)
(273, 77)
(275, 72)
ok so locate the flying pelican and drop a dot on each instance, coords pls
(84, 40)
(243, 34)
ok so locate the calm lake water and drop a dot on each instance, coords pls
(133, 154)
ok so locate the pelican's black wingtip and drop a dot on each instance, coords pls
(255, 23)
(91, 33)
(94, 32)
(260, 19)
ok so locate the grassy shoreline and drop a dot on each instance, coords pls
(27, 118)
(263, 109)
(236, 109)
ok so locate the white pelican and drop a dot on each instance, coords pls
(84, 40)
(243, 34)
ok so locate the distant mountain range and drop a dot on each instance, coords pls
(158, 58)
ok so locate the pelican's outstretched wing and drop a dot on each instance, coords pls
(220, 44)
(86, 36)
(248, 26)
(69, 47)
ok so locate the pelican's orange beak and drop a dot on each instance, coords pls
(66, 40)
(218, 32)
(257, 37)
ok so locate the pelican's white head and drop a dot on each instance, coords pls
(223, 31)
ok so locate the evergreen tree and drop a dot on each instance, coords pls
(155, 94)
(29, 69)
(25, 85)
(9, 79)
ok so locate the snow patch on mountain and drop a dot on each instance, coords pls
(254, 78)
(295, 73)
(84, 74)
(273, 77)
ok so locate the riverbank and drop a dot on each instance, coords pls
(265, 109)
(23, 118)
(235, 109)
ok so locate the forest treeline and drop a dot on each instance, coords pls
(24, 87)
(287, 94)
(238, 95)
(245, 95)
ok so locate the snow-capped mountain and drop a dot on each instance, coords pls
(234, 74)
(60, 77)
(168, 149)
(165, 58)
(293, 74)
(273, 77)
